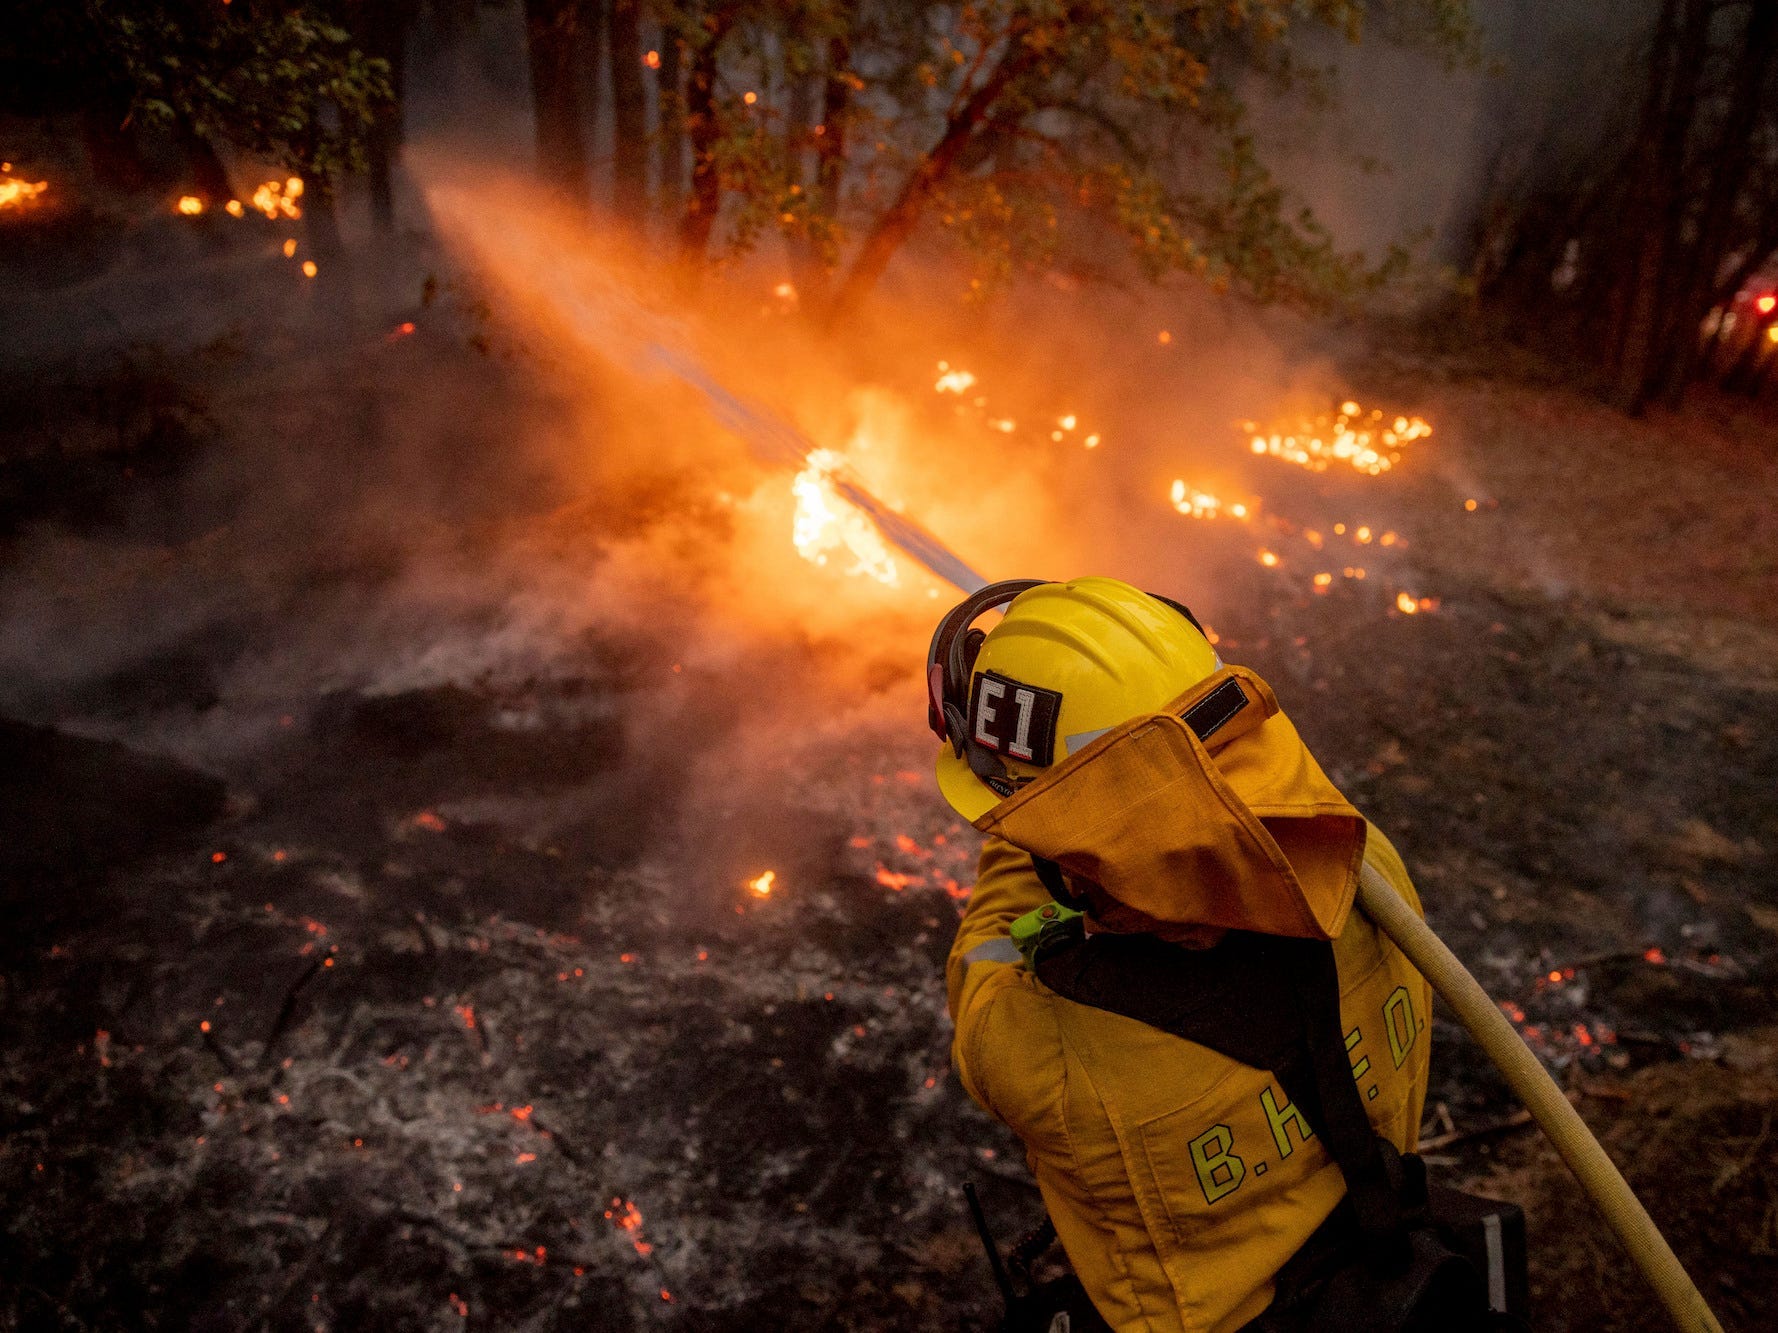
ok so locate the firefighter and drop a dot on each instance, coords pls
(1165, 857)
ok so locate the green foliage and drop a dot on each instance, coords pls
(287, 85)
(1026, 129)
(282, 81)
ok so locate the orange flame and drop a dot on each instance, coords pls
(1192, 502)
(760, 886)
(16, 193)
(826, 523)
(1364, 441)
(190, 205)
(277, 199)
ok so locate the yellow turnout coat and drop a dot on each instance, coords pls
(1179, 1180)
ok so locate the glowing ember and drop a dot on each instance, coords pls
(652, 60)
(190, 205)
(309, 269)
(1410, 605)
(290, 248)
(1365, 441)
(1766, 304)
(1268, 559)
(827, 523)
(16, 193)
(1192, 502)
(277, 199)
(760, 886)
(234, 209)
(952, 381)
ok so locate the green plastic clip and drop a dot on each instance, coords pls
(1043, 929)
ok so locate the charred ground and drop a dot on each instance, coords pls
(441, 1000)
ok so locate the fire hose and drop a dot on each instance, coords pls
(1605, 1186)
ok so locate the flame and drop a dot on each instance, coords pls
(952, 381)
(277, 199)
(1365, 441)
(15, 193)
(827, 523)
(309, 269)
(233, 208)
(190, 205)
(1194, 503)
(652, 60)
(290, 248)
(760, 886)
(1410, 605)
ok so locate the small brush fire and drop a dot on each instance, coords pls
(1194, 503)
(828, 525)
(16, 193)
(1368, 442)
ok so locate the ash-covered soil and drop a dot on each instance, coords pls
(365, 965)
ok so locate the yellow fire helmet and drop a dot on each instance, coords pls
(1067, 663)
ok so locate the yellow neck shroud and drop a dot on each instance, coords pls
(1242, 830)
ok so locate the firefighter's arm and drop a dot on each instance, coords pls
(1006, 887)
(1008, 1050)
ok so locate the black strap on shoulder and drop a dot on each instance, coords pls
(1051, 876)
(1273, 1004)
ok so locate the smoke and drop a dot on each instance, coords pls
(513, 490)
(1408, 149)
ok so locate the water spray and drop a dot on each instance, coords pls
(600, 311)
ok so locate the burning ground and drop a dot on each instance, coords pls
(464, 866)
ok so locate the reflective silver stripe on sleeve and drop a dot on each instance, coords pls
(1496, 1263)
(1001, 950)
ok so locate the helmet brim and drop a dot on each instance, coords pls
(967, 794)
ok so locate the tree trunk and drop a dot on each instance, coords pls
(321, 223)
(629, 114)
(1664, 218)
(385, 27)
(1625, 209)
(898, 221)
(806, 268)
(830, 137)
(699, 219)
(207, 174)
(111, 152)
(670, 141)
(551, 28)
(1728, 164)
